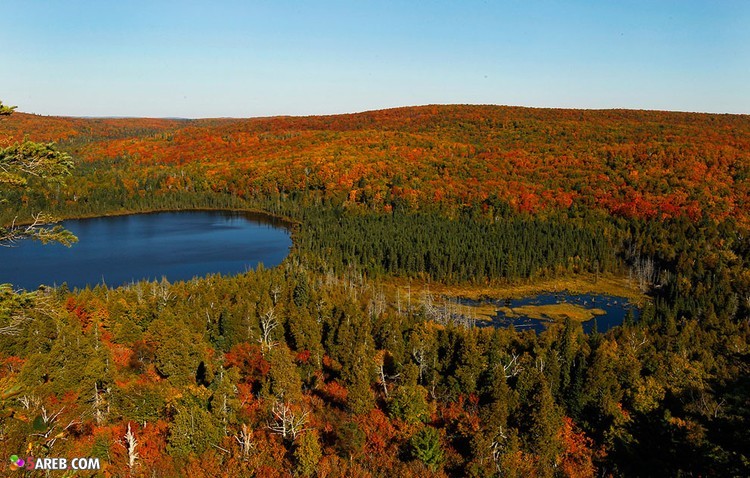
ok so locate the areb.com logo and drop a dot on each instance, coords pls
(16, 462)
(31, 463)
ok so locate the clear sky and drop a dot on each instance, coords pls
(277, 57)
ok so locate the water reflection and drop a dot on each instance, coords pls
(615, 309)
(176, 245)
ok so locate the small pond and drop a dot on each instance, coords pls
(538, 311)
(121, 249)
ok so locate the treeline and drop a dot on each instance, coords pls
(72, 131)
(462, 249)
(109, 187)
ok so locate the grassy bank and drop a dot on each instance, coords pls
(556, 312)
(580, 284)
(406, 292)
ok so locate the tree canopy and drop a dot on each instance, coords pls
(28, 165)
(353, 357)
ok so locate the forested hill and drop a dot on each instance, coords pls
(344, 360)
(644, 164)
(65, 129)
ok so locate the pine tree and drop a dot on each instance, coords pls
(361, 398)
(32, 166)
(307, 454)
(426, 447)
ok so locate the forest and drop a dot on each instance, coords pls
(312, 368)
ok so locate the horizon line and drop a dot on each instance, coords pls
(425, 105)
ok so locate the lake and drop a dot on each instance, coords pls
(610, 311)
(122, 249)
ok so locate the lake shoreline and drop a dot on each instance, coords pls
(285, 221)
(177, 244)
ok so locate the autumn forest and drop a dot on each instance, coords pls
(352, 357)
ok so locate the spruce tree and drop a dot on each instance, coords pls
(31, 166)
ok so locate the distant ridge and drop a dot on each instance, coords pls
(390, 109)
(635, 163)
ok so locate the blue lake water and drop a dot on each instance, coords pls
(121, 249)
(615, 308)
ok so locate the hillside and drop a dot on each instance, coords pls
(360, 355)
(632, 163)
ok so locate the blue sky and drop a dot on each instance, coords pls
(276, 57)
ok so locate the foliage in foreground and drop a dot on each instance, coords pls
(253, 374)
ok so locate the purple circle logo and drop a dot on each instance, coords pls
(16, 462)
